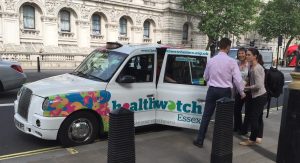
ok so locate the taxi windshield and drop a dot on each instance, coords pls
(100, 65)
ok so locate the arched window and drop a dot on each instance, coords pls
(29, 17)
(123, 26)
(65, 21)
(96, 24)
(146, 29)
(185, 34)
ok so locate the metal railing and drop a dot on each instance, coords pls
(47, 60)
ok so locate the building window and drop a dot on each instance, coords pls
(96, 25)
(185, 33)
(146, 29)
(65, 21)
(123, 26)
(29, 17)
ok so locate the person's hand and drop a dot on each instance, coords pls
(247, 88)
(243, 95)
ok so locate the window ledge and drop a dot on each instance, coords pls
(149, 2)
(147, 40)
(123, 38)
(97, 36)
(30, 31)
(66, 34)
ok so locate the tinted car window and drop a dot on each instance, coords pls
(141, 67)
(185, 69)
(232, 53)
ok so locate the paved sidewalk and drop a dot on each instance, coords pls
(286, 68)
(169, 146)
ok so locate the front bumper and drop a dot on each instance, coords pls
(48, 128)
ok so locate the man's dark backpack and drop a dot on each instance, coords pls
(274, 82)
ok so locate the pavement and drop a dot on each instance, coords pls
(168, 145)
(285, 68)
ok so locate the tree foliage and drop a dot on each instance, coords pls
(222, 17)
(279, 17)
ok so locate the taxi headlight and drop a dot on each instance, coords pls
(45, 104)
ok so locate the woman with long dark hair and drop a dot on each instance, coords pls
(258, 94)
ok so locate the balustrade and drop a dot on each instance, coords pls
(48, 61)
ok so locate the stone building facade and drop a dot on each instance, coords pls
(66, 28)
(45, 25)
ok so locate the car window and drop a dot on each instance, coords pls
(233, 53)
(185, 70)
(100, 65)
(140, 67)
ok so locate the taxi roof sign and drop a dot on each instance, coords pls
(113, 45)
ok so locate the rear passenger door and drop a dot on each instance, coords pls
(181, 89)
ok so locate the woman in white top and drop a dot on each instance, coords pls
(239, 126)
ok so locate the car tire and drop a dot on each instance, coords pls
(78, 129)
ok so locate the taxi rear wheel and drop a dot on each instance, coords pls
(78, 129)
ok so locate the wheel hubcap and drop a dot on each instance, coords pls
(80, 130)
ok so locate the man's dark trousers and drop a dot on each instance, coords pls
(213, 94)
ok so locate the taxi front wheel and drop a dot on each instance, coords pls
(78, 129)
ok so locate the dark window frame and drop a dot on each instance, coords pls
(68, 20)
(27, 16)
(185, 33)
(123, 26)
(147, 29)
(96, 31)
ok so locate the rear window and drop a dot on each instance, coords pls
(182, 69)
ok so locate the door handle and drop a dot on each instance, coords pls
(151, 95)
(200, 100)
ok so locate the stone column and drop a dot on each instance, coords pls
(84, 33)
(50, 28)
(11, 30)
(112, 32)
(158, 35)
(137, 35)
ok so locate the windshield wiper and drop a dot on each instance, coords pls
(79, 73)
(96, 77)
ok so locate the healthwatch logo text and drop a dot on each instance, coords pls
(188, 119)
(152, 103)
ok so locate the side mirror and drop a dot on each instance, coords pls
(126, 79)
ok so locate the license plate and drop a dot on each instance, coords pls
(19, 125)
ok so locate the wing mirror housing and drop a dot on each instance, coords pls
(127, 79)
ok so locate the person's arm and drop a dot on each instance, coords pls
(259, 74)
(206, 72)
(237, 79)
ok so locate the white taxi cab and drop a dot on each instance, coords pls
(160, 85)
